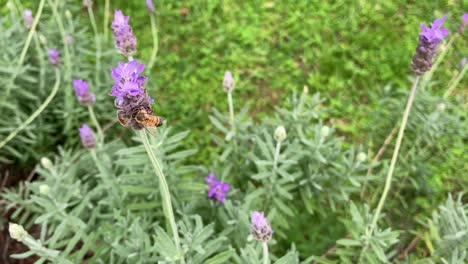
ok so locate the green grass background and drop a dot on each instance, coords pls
(343, 49)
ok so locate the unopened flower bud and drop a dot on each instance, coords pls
(47, 163)
(280, 133)
(305, 90)
(10, 5)
(228, 82)
(325, 131)
(17, 232)
(68, 14)
(68, 40)
(462, 63)
(42, 39)
(44, 189)
(87, 3)
(441, 107)
(361, 157)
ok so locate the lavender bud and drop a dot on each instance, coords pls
(228, 82)
(464, 22)
(68, 40)
(54, 56)
(125, 41)
(260, 229)
(361, 157)
(42, 39)
(87, 137)
(462, 63)
(68, 14)
(47, 163)
(44, 189)
(17, 232)
(84, 96)
(28, 18)
(87, 3)
(441, 107)
(429, 39)
(150, 6)
(280, 134)
(324, 131)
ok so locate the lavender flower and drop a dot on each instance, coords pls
(54, 56)
(429, 38)
(218, 190)
(228, 82)
(150, 6)
(464, 22)
(125, 42)
(28, 18)
(260, 229)
(68, 40)
(87, 3)
(87, 137)
(462, 63)
(84, 96)
(130, 97)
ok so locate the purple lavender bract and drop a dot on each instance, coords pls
(84, 96)
(429, 38)
(87, 137)
(464, 22)
(150, 6)
(125, 41)
(218, 190)
(260, 229)
(28, 18)
(54, 56)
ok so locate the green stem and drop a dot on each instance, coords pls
(96, 123)
(40, 56)
(106, 176)
(277, 152)
(266, 259)
(166, 196)
(154, 32)
(388, 180)
(22, 56)
(68, 92)
(456, 81)
(441, 56)
(37, 112)
(231, 112)
(106, 19)
(97, 82)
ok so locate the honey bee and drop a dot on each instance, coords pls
(145, 117)
(124, 120)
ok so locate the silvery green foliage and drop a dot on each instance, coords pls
(449, 229)
(24, 87)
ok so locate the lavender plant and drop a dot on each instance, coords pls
(101, 202)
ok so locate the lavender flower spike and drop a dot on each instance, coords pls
(228, 82)
(125, 41)
(429, 38)
(87, 137)
(260, 229)
(54, 56)
(28, 18)
(218, 190)
(150, 6)
(464, 22)
(84, 96)
(131, 99)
